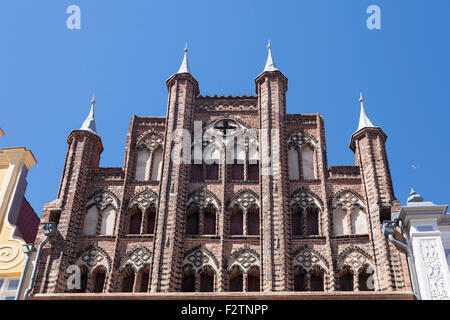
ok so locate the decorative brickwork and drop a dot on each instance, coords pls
(163, 257)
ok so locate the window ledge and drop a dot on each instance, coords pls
(309, 237)
(245, 237)
(245, 181)
(100, 236)
(139, 236)
(147, 182)
(351, 236)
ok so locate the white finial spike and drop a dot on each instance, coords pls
(89, 123)
(270, 65)
(364, 121)
(184, 68)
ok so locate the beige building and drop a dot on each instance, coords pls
(18, 221)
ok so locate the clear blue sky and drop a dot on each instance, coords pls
(126, 50)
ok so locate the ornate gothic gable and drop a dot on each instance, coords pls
(102, 199)
(347, 199)
(202, 198)
(245, 258)
(305, 198)
(300, 139)
(144, 199)
(150, 140)
(136, 259)
(93, 257)
(353, 257)
(244, 199)
(308, 259)
(199, 258)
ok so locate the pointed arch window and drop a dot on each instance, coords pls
(236, 280)
(293, 164)
(135, 220)
(188, 280)
(127, 282)
(253, 224)
(308, 163)
(346, 280)
(192, 221)
(151, 219)
(305, 221)
(209, 220)
(299, 279)
(157, 156)
(91, 222)
(349, 215)
(108, 220)
(316, 280)
(143, 165)
(99, 280)
(207, 280)
(236, 221)
(365, 279)
(253, 280)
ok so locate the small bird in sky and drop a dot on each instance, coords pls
(415, 166)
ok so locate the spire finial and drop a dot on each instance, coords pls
(89, 123)
(414, 197)
(270, 65)
(184, 68)
(364, 121)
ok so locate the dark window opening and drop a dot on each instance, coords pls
(316, 281)
(385, 214)
(236, 281)
(151, 219)
(253, 283)
(99, 281)
(196, 172)
(188, 281)
(346, 281)
(54, 217)
(212, 172)
(236, 221)
(144, 281)
(253, 221)
(253, 172)
(209, 221)
(192, 221)
(128, 282)
(135, 223)
(207, 281)
(297, 225)
(237, 172)
(312, 219)
(299, 280)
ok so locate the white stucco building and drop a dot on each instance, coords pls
(427, 229)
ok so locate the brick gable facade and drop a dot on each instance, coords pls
(163, 258)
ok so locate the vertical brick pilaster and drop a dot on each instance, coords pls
(271, 88)
(168, 246)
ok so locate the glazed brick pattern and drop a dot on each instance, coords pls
(275, 247)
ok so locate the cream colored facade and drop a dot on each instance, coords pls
(14, 166)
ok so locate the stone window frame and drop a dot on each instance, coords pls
(347, 208)
(299, 140)
(245, 200)
(102, 199)
(305, 199)
(150, 141)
